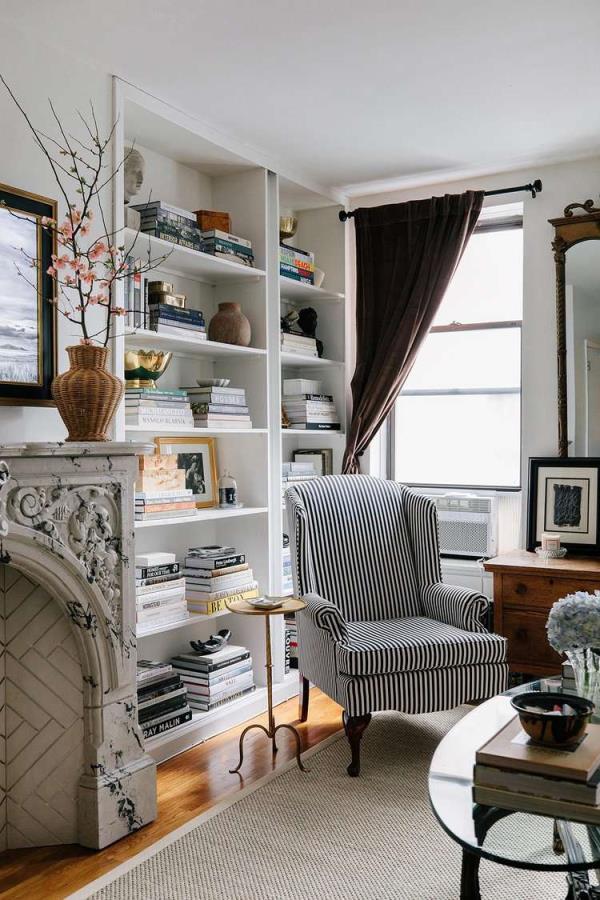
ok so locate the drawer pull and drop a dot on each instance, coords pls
(521, 588)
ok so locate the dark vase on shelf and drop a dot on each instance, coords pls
(230, 326)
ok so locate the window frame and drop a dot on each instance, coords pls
(485, 226)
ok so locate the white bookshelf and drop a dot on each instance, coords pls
(189, 168)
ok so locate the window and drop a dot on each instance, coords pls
(457, 422)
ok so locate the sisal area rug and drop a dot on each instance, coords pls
(324, 836)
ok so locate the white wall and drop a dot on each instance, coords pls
(562, 184)
(36, 71)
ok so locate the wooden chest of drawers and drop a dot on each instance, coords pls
(525, 587)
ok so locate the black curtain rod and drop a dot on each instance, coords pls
(535, 187)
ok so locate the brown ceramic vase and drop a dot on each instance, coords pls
(230, 326)
(87, 395)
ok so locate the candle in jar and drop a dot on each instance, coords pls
(550, 541)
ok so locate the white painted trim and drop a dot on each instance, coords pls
(180, 832)
(227, 141)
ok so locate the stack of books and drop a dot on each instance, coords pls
(215, 575)
(293, 473)
(169, 223)
(159, 591)
(156, 408)
(291, 640)
(213, 679)
(167, 319)
(161, 696)
(513, 773)
(219, 407)
(296, 264)
(313, 411)
(160, 490)
(227, 246)
(287, 586)
(296, 342)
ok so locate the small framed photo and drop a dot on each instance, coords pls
(27, 315)
(197, 456)
(564, 499)
(322, 459)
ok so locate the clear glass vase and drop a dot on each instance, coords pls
(586, 668)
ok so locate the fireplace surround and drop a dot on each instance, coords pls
(73, 751)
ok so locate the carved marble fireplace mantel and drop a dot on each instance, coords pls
(66, 527)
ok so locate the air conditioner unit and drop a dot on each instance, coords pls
(468, 524)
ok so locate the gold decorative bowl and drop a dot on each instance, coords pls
(144, 367)
(288, 225)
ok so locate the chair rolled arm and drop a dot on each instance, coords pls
(457, 606)
(326, 616)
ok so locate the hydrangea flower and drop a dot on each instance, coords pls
(574, 622)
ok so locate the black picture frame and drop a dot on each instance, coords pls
(19, 205)
(540, 518)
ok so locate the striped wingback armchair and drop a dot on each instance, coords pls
(380, 630)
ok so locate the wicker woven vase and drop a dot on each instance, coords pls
(87, 395)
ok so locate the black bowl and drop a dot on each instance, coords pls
(553, 720)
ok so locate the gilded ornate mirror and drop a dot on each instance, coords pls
(577, 259)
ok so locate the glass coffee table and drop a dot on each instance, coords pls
(516, 839)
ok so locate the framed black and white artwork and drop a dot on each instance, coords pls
(321, 459)
(197, 457)
(563, 499)
(27, 317)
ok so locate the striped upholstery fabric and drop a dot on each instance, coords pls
(381, 630)
(406, 645)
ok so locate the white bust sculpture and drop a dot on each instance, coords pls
(133, 173)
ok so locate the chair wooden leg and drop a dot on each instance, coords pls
(303, 697)
(354, 727)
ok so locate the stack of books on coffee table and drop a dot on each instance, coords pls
(213, 679)
(511, 772)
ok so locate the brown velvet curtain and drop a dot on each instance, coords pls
(406, 255)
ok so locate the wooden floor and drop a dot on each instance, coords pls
(188, 785)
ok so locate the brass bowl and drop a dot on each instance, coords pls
(144, 367)
(288, 225)
(553, 720)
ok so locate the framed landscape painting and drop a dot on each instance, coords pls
(27, 317)
(197, 456)
(564, 499)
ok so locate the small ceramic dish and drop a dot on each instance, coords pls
(212, 382)
(553, 720)
(265, 602)
(551, 554)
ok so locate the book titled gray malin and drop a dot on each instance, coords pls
(162, 698)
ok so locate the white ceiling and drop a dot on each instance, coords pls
(357, 91)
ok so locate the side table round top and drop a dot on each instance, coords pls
(290, 605)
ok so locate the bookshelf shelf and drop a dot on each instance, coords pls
(192, 619)
(204, 515)
(192, 264)
(181, 429)
(297, 290)
(185, 345)
(301, 362)
(307, 432)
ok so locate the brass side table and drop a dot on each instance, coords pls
(290, 605)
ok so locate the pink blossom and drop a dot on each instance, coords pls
(97, 298)
(84, 229)
(69, 279)
(46, 220)
(60, 261)
(51, 271)
(75, 215)
(86, 342)
(87, 276)
(90, 214)
(66, 229)
(98, 250)
(118, 311)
